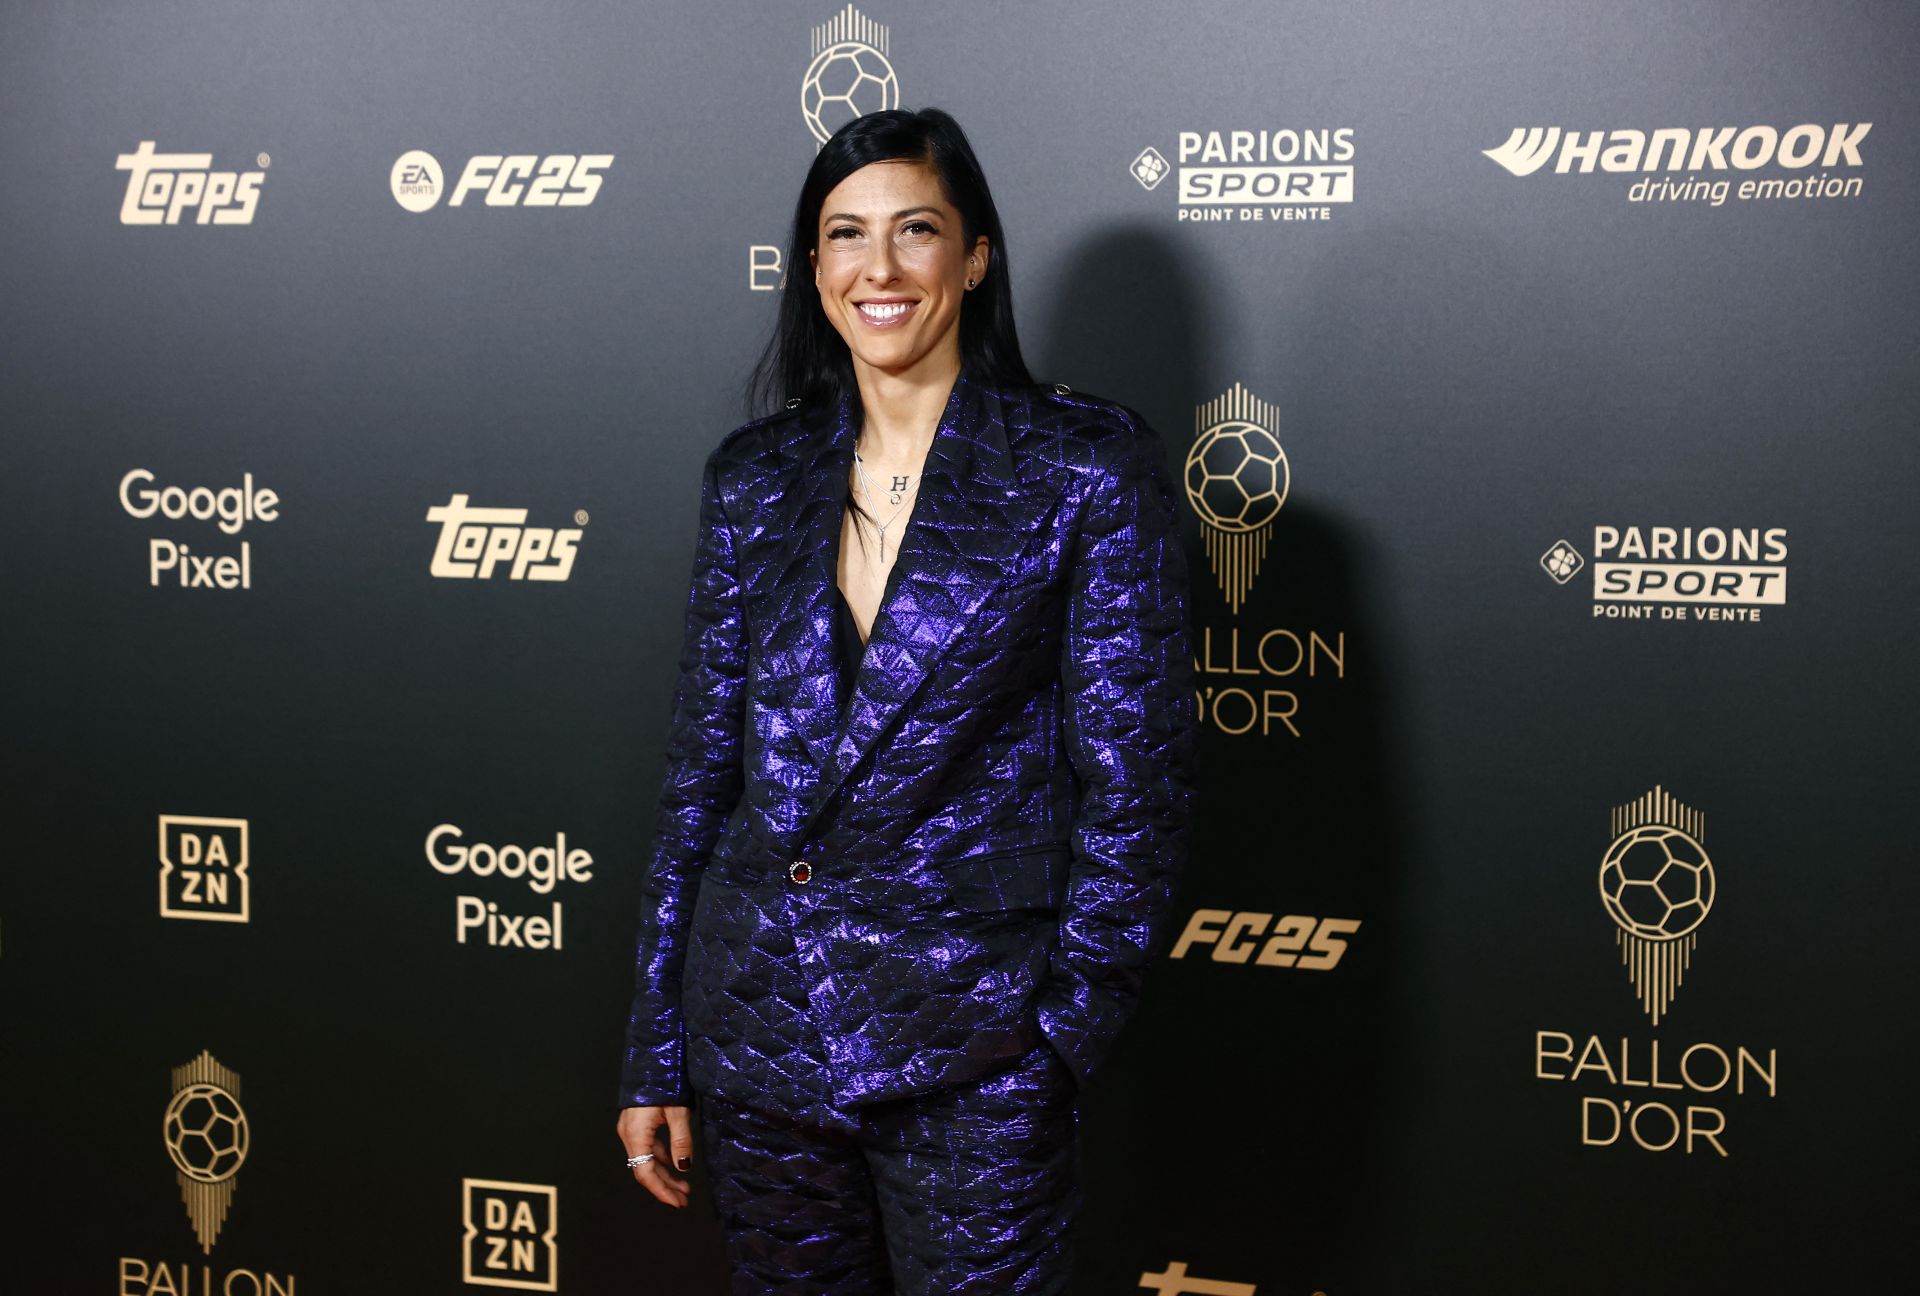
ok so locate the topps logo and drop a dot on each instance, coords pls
(163, 186)
(474, 541)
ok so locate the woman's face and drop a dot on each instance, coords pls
(892, 268)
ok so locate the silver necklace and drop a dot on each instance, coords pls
(901, 488)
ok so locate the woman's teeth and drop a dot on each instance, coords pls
(884, 314)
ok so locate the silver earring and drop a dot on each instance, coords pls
(969, 283)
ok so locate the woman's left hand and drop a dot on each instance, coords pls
(667, 1132)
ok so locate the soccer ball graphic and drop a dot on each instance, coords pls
(1236, 476)
(844, 81)
(1656, 882)
(206, 1133)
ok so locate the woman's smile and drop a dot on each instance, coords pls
(885, 312)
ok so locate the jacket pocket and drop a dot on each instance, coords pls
(1021, 878)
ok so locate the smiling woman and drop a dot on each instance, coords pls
(892, 265)
(899, 230)
(896, 268)
(930, 767)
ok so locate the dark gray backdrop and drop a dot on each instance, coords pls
(1467, 367)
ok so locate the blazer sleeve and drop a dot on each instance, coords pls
(1131, 731)
(703, 783)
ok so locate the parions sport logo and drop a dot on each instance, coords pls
(1684, 573)
(849, 76)
(499, 180)
(1283, 175)
(1237, 478)
(480, 543)
(1810, 162)
(163, 188)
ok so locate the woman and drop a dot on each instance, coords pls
(930, 767)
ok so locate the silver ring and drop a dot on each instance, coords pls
(640, 1160)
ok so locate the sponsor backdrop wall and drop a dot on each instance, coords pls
(1543, 378)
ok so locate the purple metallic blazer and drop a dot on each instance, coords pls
(857, 898)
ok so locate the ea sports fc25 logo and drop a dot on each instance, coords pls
(506, 179)
(849, 76)
(1657, 884)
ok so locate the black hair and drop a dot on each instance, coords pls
(805, 357)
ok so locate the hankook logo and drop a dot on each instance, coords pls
(1818, 158)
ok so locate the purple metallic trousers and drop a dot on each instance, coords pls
(970, 1188)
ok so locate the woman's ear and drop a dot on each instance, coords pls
(978, 258)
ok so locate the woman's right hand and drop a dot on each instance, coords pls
(647, 1129)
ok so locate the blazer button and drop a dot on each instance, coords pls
(800, 870)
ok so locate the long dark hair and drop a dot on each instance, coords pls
(805, 357)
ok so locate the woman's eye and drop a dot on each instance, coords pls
(847, 230)
(920, 226)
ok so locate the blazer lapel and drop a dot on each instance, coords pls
(801, 642)
(972, 518)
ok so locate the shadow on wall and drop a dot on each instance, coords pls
(1242, 1111)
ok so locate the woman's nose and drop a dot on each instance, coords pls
(881, 268)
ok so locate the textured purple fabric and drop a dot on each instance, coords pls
(972, 1189)
(996, 817)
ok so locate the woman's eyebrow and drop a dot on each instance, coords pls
(861, 220)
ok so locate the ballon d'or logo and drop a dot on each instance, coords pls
(849, 76)
(206, 1135)
(1657, 885)
(1237, 478)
